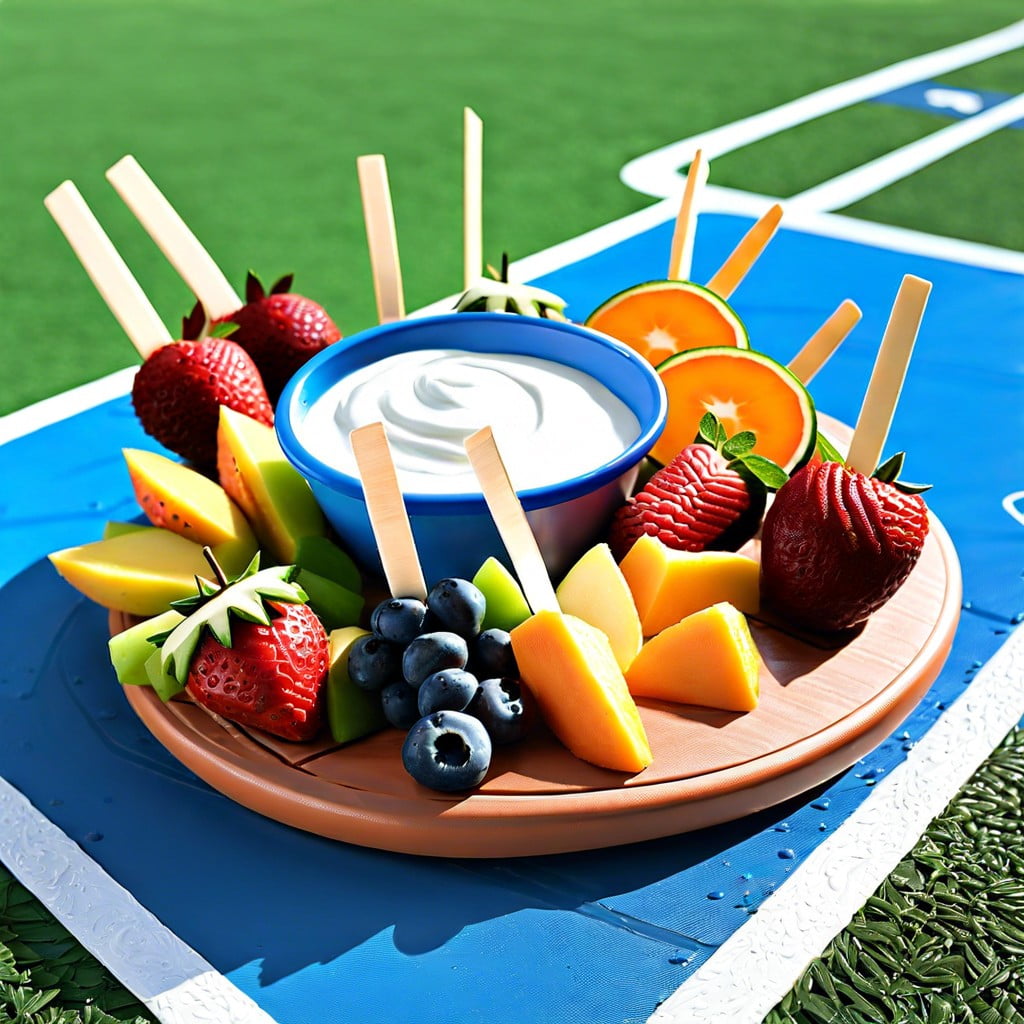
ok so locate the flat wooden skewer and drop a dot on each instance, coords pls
(381, 237)
(737, 265)
(825, 340)
(388, 516)
(887, 377)
(681, 259)
(174, 238)
(472, 197)
(109, 273)
(508, 515)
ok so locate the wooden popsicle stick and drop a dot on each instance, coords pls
(174, 238)
(386, 508)
(824, 341)
(744, 256)
(888, 374)
(472, 197)
(381, 237)
(681, 259)
(109, 273)
(510, 519)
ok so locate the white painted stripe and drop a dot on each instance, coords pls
(760, 963)
(657, 173)
(173, 981)
(875, 175)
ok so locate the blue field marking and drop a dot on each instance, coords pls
(313, 929)
(953, 101)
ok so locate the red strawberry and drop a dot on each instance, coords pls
(837, 544)
(264, 658)
(179, 389)
(280, 330)
(709, 497)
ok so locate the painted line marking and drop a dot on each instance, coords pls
(167, 975)
(761, 962)
(657, 173)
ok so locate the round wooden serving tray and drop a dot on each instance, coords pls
(823, 707)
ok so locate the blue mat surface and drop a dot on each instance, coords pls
(319, 930)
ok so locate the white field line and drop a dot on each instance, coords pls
(863, 181)
(657, 173)
(173, 981)
(759, 963)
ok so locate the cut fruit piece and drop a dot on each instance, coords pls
(595, 591)
(662, 318)
(191, 505)
(352, 712)
(274, 497)
(506, 606)
(572, 673)
(161, 678)
(140, 572)
(325, 558)
(746, 390)
(130, 649)
(668, 585)
(113, 528)
(708, 658)
(335, 605)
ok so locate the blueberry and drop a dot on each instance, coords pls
(458, 606)
(447, 751)
(398, 701)
(373, 663)
(492, 655)
(431, 653)
(451, 689)
(398, 620)
(501, 707)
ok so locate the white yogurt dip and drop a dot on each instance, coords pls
(552, 422)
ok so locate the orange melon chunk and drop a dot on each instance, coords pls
(668, 585)
(708, 658)
(572, 673)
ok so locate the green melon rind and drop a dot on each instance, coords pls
(810, 435)
(740, 329)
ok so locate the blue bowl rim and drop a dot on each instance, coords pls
(420, 503)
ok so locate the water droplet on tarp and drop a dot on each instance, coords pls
(716, 895)
(783, 827)
(93, 837)
(822, 827)
(680, 959)
(786, 854)
(822, 805)
(746, 876)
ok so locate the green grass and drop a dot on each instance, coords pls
(250, 117)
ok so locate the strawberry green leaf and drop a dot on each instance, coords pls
(770, 474)
(889, 470)
(254, 290)
(222, 330)
(282, 285)
(193, 325)
(502, 297)
(828, 451)
(246, 599)
(909, 488)
(708, 429)
(739, 444)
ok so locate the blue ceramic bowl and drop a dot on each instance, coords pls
(454, 533)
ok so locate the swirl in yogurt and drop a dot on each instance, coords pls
(552, 422)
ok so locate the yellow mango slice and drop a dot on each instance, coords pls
(668, 585)
(709, 658)
(140, 572)
(191, 505)
(572, 673)
(595, 591)
(273, 495)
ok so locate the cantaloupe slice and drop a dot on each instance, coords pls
(140, 572)
(572, 673)
(273, 495)
(709, 658)
(746, 390)
(661, 318)
(667, 585)
(595, 591)
(191, 505)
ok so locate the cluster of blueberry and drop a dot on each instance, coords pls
(454, 686)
